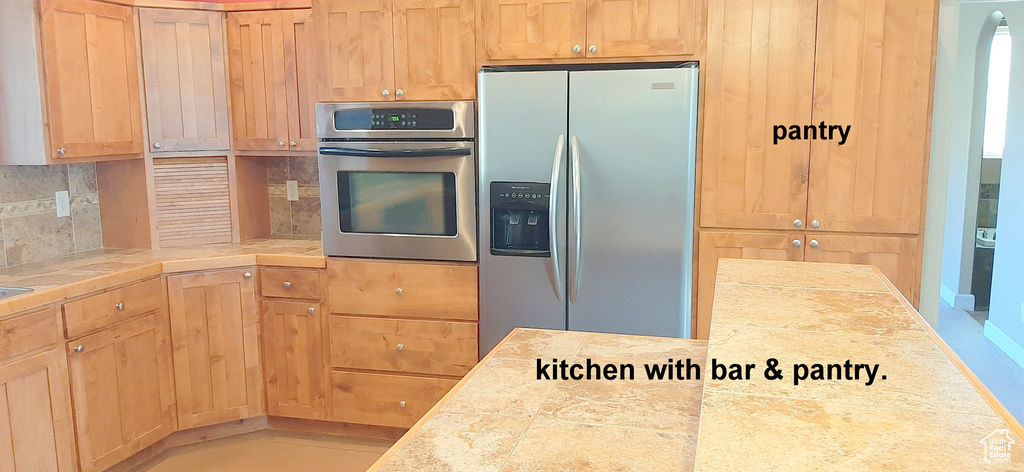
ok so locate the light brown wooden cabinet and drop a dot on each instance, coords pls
(273, 80)
(122, 390)
(397, 401)
(184, 67)
(293, 346)
(385, 50)
(898, 257)
(560, 29)
(92, 79)
(215, 338)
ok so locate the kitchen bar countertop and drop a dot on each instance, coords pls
(930, 412)
(65, 277)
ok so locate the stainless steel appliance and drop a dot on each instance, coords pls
(587, 199)
(398, 180)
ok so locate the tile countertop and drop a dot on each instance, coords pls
(71, 276)
(927, 415)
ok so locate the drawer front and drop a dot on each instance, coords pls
(26, 333)
(98, 311)
(290, 283)
(441, 291)
(384, 399)
(426, 347)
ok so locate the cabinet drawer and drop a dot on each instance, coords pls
(290, 283)
(410, 290)
(427, 347)
(105, 309)
(27, 333)
(384, 399)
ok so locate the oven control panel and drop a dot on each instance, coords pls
(394, 119)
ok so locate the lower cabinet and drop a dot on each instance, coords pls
(384, 399)
(215, 328)
(122, 390)
(36, 433)
(896, 256)
(293, 347)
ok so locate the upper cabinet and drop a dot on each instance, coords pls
(185, 75)
(383, 50)
(273, 80)
(92, 79)
(873, 72)
(559, 29)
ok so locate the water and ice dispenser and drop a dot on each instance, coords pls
(519, 219)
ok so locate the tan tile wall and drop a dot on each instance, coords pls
(29, 227)
(302, 217)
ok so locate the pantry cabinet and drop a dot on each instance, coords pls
(92, 79)
(896, 256)
(185, 72)
(385, 50)
(215, 337)
(273, 83)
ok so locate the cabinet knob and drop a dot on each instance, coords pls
(287, 284)
(119, 306)
(814, 243)
(797, 243)
(157, 146)
(247, 275)
(293, 143)
(280, 144)
(798, 223)
(401, 347)
(311, 310)
(577, 49)
(399, 93)
(62, 151)
(401, 404)
(592, 48)
(79, 348)
(815, 224)
(385, 93)
(398, 291)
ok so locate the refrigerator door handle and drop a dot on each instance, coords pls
(556, 178)
(577, 221)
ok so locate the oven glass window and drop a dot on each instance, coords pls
(410, 203)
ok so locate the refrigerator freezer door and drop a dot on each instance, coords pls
(636, 143)
(522, 117)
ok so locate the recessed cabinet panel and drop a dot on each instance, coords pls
(356, 45)
(896, 256)
(533, 29)
(293, 346)
(258, 82)
(625, 28)
(300, 78)
(36, 431)
(434, 49)
(384, 399)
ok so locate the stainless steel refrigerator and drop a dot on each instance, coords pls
(586, 185)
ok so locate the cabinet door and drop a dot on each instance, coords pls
(897, 257)
(92, 79)
(186, 89)
(873, 72)
(759, 72)
(300, 79)
(713, 246)
(435, 56)
(357, 58)
(215, 335)
(625, 28)
(533, 29)
(36, 433)
(258, 83)
(122, 391)
(293, 347)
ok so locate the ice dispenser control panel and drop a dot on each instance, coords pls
(519, 219)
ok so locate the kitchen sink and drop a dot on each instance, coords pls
(13, 291)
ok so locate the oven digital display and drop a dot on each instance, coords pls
(394, 119)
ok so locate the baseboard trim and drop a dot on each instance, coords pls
(1005, 343)
(947, 294)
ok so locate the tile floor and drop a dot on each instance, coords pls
(272, 451)
(1003, 377)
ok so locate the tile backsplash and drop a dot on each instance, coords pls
(298, 218)
(30, 230)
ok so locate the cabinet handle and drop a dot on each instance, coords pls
(798, 223)
(815, 224)
(247, 275)
(797, 243)
(79, 348)
(293, 143)
(62, 151)
(287, 284)
(119, 306)
(280, 144)
(385, 93)
(157, 146)
(814, 243)
(399, 93)
(577, 49)
(399, 291)
(401, 404)
(401, 347)
(311, 310)
(592, 48)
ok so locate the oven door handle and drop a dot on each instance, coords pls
(434, 152)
